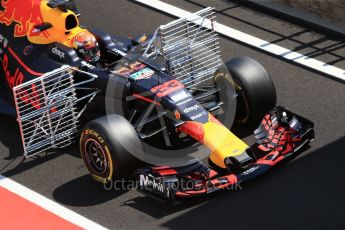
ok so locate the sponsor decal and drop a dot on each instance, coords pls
(199, 115)
(129, 69)
(167, 88)
(190, 109)
(88, 65)
(31, 96)
(58, 53)
(24, 14)
(251, 170)
(28, 96)
(179, 96)
(142, 74)
(184, 102)
(27, 50)
(12, 79)
(149, 183)
(119, 51)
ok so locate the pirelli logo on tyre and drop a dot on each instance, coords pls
(96, 135)
(96, 155)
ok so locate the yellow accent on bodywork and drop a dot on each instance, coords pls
(58, 32)
(222, 143)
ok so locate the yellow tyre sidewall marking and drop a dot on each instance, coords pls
(93, 134)
(238, 88)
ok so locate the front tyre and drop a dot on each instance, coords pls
(257, 94)
(104, 148)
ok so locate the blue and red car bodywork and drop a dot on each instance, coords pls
(35, 38)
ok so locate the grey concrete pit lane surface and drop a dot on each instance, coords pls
(307, 193)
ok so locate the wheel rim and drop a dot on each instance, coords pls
(96, 156)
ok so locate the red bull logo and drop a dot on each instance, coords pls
(24, 13)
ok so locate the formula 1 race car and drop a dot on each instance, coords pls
(158, 107)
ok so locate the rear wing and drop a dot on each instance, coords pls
(189, 46)
(46, 109)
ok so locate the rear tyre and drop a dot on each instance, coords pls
(257, 94)
(104, 148)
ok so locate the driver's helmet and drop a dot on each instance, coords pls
(86, 46)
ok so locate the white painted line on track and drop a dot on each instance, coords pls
(48, 204)
(254, 41)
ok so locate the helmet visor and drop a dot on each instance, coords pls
(92, 54)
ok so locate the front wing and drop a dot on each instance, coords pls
(281, 134)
